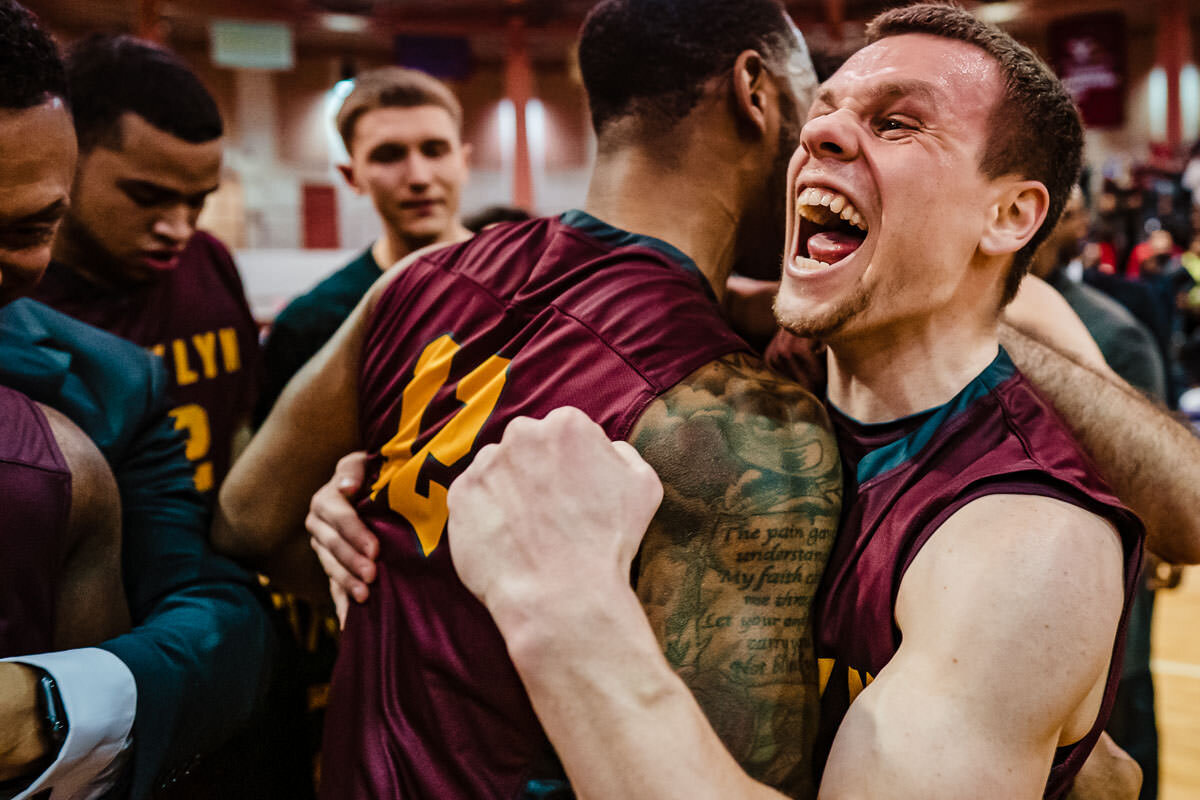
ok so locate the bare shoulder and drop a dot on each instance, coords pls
(90, 603)
(1036, 544)
(735, 414)
(1010, 586)
(93, 484)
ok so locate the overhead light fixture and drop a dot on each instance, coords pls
(344, 23)
(1000, 13)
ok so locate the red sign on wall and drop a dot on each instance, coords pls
(1088, 53)
(318, 207)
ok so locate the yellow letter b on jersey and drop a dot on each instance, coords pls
(479, 392)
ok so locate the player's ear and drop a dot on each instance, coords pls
(751, 89)
(1015, 215)
(347, 173)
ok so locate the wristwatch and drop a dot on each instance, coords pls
(54, 726)
(50, 707)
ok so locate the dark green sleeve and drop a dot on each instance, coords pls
(296, 336)
(200, 651)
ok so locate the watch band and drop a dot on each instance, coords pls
(50, 706)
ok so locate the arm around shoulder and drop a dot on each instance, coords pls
(1151, 461)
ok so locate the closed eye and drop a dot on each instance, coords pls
(894, 125)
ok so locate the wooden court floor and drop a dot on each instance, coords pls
(1175, 654)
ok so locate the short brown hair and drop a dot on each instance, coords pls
(394, 87)
(1036, 130)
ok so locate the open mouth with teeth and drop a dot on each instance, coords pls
(828, 227)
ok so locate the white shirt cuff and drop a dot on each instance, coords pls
(100, 697)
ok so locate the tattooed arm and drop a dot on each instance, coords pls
(728, 569)
(731, 562)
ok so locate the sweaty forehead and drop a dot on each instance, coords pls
(931, 68)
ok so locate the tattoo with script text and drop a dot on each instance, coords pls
(730, 565)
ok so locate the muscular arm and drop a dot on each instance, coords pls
(261, 509)
(729, 565)
(1151, 461)
(731, 561)
(1008, 617)
(90, 606)
(260, 512)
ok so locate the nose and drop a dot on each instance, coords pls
(833, 135)
(175, 224)
(420, 171)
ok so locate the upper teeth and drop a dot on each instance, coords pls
(822, 206)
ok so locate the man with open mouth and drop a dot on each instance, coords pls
(129, 258)
(970, 621)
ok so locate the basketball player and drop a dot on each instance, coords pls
(129, 259)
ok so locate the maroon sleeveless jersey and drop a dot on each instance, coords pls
(35, 501)
(520, 320)
(903, 480)
(195, 317)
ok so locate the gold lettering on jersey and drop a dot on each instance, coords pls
(184, 374)
(200, 350)
(825, 667)
(229, 349)
(193, 420)
(193, 358)
(856, 679)
(206, 346)
(479, 392)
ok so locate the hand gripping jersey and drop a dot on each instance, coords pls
(904, 479)
(196, 318)
(520, 320)
(35, 501)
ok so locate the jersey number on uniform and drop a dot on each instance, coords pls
(479, 392)
(194, 420)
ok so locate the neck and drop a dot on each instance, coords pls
(909, 367)
(394, 246)
(633, 190)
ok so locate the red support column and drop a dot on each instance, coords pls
(1173, 49)
(835, 16)
(518, 84)
(149, 20)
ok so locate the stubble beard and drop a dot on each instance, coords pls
(824, 326)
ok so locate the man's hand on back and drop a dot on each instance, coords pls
(345, 546)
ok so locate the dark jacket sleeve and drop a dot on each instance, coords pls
(201, 647)
(200, 650)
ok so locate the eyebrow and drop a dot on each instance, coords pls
(890, 90)
(166, 192)
(51, 213)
